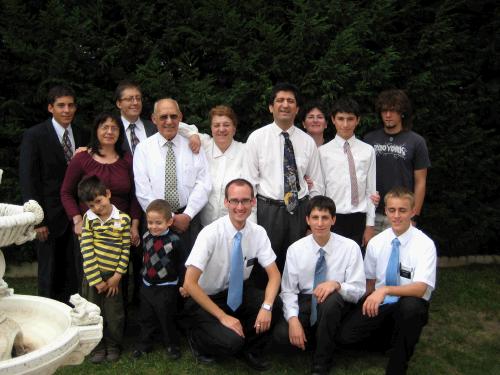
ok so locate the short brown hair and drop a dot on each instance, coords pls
(224, 110)
(238, 182)
(161, 206)
(123, 85)
(402, 193)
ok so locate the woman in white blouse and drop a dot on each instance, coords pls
(225, 158)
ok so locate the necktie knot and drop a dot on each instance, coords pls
(395, 242)
(285, 134)
(346, 146)
(170, 144)
(132, 126)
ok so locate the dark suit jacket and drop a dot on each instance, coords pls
(150, 129)
(42, 166)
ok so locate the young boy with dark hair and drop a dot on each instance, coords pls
(323, 277)
(105, 244)
(161, 272)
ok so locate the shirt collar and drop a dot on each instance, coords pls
(162, 141)
(231, 230)
(60, 129)
(217, 153)
(341, 140)
(406, 236)
(115, 214)
(328, 248)
(126, 123)
(277, 130)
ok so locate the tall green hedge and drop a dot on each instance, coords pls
(207, 52)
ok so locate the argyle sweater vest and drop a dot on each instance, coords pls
(162, 258)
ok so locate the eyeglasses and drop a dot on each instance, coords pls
(130, 99)
(166, 117)
(236, 202)
(112, 129)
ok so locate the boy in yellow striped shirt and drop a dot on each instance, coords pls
(105, 244)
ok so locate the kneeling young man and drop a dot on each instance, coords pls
(227, 316)
(323, 276)
(400, 267)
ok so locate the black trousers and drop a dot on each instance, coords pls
(409, 314)
(351, 226)
(57, 276)
(158, 310)
(213, 338)
(283, 229)
(321, 336)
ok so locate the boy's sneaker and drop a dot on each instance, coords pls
(173, 352)
(113, 354)
(98, 356)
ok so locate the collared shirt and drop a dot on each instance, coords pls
(211, 252)
(344, 265)
(60, 133)
(417, 258)
(105, 244)
(139, 130)
(263, 164)
(335, 168)
(193, 179)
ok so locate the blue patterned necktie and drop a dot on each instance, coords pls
(235, 290)
(291, 176)
(392, 271)
(319, 277)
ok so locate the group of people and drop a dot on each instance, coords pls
(238, 244)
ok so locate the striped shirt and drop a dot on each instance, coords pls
(104, 244)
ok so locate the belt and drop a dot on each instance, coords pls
(278, 203)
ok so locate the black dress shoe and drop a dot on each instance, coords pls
(198, 356)
(254, 361)
(173, 352)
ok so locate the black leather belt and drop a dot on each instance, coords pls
(276, 202)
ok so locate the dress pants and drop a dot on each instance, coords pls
(351, 226)
(410, 315)
(321, 336)
(213, 338)
(158, 310)
(56, 267)
(283, 229)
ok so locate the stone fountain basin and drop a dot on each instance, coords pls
(51, 338)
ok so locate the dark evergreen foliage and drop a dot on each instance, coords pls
(207, 52)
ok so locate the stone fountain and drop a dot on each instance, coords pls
(38, 335)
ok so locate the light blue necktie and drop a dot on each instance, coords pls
(235, 292)
(319, 277)
(392, 271)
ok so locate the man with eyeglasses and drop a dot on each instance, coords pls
(128, 98)
(166, 168)
(227, 316)
(278, 156)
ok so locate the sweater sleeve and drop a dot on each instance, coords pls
(90, 264)
(124, 256)
(69, 195)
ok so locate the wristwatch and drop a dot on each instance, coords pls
(267, 307)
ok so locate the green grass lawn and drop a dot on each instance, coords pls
(462, 337)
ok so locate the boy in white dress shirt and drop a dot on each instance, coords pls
(400, 267)
(323, 278)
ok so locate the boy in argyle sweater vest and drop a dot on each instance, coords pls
(162, 270)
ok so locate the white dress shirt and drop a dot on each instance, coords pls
(60, 133)
(417, 256)
(344, 265)
(211, 252)
(193, 180)
(139, 130)
(335, 168)
(263, 165)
